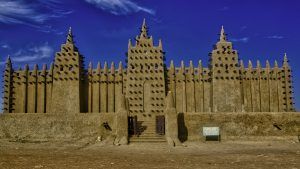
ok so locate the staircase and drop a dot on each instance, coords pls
(147, 130)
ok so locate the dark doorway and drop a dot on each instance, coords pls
(132, 126)
(160, 125)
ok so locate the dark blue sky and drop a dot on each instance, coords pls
(31, 31)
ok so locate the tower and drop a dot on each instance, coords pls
(145, 75)
(7, 98)
(67, 78)
(226, 94)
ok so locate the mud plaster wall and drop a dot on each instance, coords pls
(54, 126)
(240, 125)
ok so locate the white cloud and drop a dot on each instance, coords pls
(30, 13)
(120, 7)
(244, 39)
(18, 12)
(33, 53)
(5, 46)
(275, 37)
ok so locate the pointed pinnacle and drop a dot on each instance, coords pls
(129, 43)
(258, 64)
(44, 67)
(267, 64)
(8, 60)
(276, 64)
(70, 36)
(285, 59)
(250, 64)
(223, 35)
(182, 64)
(144, 22)
(120, 68)
(105, 67)
(242, 63)
(98, 68)
(172, 64)
(144, 30)
(26, 67)
(35, 67)
(200, 64)
(112, 67)
(160, 43)
(90, 66)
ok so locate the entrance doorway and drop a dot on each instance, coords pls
(160, 125)
(132, 125)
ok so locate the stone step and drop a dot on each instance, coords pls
(147, 139)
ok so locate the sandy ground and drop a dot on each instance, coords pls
(217, 155)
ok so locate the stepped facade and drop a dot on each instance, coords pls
(226, 85)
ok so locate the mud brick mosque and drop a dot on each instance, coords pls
(226, 85)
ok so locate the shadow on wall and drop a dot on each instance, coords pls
(182, 129)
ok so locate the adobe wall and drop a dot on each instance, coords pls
(233, 126)
(237, 126)
(54, 126)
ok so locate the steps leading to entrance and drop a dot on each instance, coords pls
(151, 139)
(148, 134)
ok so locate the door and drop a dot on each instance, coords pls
(132, 126)
(160, 125)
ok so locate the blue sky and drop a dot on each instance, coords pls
(32, 31)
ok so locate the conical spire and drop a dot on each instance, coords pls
(200, 64)
(159, 43)
(44, 67)
(191, 68)
(285, 60)
(250, 64)
(112, 67)
(105, 68)
(120, 68)
(8, 63)
(144, 30)
(70, 36)
(129, 44)
(98, 68)
(26, 67)
(268, 64)
(223, 35)
(242, 64)
(90, 66)
(35, 67)
(258, 64)
(8, 60)
(276, 64)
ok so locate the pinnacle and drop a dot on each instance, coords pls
(70, 36)
(144, 30)
(8, 60)
(285, 57)
(223, 35)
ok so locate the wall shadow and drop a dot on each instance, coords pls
(182, 129)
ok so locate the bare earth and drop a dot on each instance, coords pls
(256, 155)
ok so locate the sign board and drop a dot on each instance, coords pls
(211, 131)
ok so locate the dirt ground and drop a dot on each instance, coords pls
(242, 154)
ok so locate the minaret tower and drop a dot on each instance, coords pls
(67, 78)
(226, 94)
(145, 88)
(7, 97)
